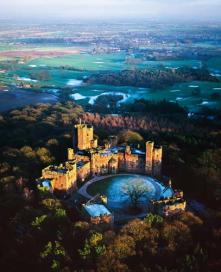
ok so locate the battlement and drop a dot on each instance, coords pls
(80, 125)
(71, 155)
(61, 168)
(63, 177)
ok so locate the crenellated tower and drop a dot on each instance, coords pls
(157, 161)
(71, 156)
(149, 157)
(93, 163)
(84, 137)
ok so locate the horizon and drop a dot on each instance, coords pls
(106, 10)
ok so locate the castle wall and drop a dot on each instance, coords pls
(60, 182)
(84, 172)
(113, 166)
(166, 207)
(107, 219)
(130, 163)
(100, 162)
(94, 143)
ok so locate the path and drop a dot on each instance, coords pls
(83, 189)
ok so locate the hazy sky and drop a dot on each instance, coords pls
(104, 9)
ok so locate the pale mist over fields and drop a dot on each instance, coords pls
(108, 9)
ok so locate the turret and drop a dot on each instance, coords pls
(106, 145)
(70, 154)
(149, 157)
(170, 183)
(157, 161)
(128, 150)
(93, 163)
(112, 166)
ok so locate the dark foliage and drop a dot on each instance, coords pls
(155, 79)
(41, 233)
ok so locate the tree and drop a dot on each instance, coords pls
(153, 220)
(53, 255)
(129, 136)
(93, 247)
(44, 155)
(135, 189)
(145, 236)
(39, 221)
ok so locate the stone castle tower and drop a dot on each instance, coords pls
(71, 156)
(153, 163)
(157, 161)
(149, 157)
(93, 163)
(84, 137)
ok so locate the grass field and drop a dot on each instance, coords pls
(51, 72)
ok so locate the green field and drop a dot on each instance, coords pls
(52, 73)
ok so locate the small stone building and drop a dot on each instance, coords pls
(167, 207)
(97, 214)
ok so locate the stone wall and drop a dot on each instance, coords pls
(100, 162)
(63, 177)
(165, 207)
(84, 171)
(131, 163)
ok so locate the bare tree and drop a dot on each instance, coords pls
(135, 189)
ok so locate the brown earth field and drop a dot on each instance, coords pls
(37, 53)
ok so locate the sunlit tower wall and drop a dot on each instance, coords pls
(83, 136)
(93, 164)
(149, 157)
(157, 161)
(71, 156)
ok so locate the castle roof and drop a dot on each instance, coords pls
(46, 183)
(134, 151)
(81, 164)
(96, 210)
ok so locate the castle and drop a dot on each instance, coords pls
(87, 159)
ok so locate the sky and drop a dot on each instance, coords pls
(111, 9)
